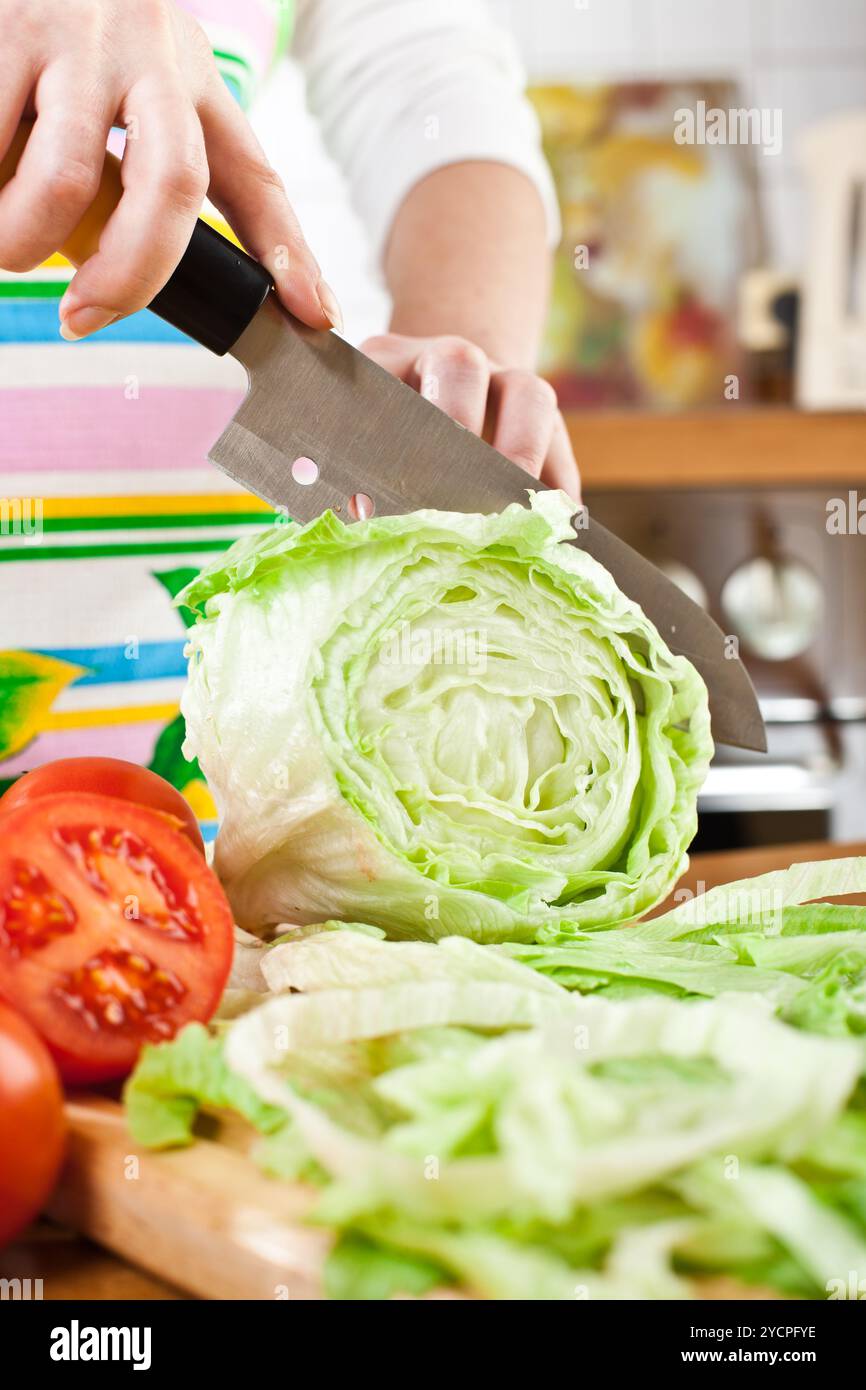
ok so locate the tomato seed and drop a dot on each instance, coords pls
(33, 913)
(94, 849)
(103, 993)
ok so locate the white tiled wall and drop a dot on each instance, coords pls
(807, 57)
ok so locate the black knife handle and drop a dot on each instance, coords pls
(214, 292)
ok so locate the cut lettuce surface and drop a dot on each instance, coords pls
(443, 724)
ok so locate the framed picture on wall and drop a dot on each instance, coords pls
(660, 220)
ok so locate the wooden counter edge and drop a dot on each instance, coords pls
(739, 446)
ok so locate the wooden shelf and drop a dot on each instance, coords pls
(738, 447)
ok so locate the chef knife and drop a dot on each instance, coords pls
(324, 426)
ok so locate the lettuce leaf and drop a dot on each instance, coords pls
(605, 957)
(765, 899)
(173, 1081)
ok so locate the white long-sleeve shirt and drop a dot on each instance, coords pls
(398, 88)
(403, 87)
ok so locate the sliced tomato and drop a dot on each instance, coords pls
(113, 929)
(105, 777)
(32, 1133)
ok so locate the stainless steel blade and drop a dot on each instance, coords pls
(312, 395)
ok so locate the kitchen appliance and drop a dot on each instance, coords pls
(783, 571)
(318, 412)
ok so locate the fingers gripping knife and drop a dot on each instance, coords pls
(312, 396)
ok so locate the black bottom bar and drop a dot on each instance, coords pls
(251, 1340)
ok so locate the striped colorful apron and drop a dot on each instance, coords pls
(107, 502)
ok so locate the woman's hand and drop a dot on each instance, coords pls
(82, 66)
(515, 410)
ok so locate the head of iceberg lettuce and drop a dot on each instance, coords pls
(441, 723)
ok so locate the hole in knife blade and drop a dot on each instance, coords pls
(360, 506)
(305, 471)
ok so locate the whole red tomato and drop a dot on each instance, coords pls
(32, 1128)
(106, 777)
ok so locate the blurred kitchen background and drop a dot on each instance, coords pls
(707, 337)
(708, 341)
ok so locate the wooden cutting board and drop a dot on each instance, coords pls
(204, 1220)
(204, 1216)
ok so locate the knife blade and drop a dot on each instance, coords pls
(313, 396)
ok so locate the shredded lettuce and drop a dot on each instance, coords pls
(530, 1158)
(573, 1131)
(440, 723)
(608, 1117)
(359, 1268)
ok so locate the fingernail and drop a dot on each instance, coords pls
(330, 307)
(78, 323)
